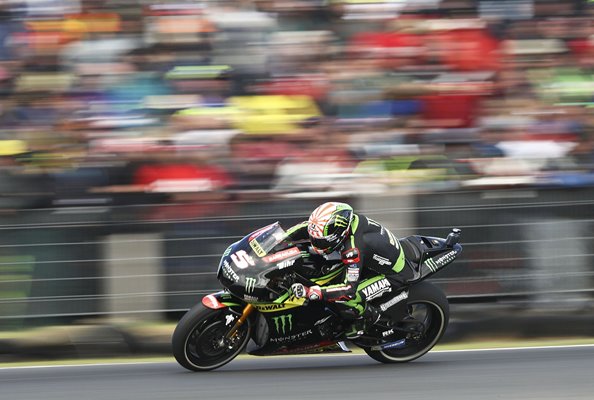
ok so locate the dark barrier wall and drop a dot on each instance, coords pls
(48, 261)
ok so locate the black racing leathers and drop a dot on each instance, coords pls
(371, 253)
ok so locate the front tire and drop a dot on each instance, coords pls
(199, 343)
(426, 303)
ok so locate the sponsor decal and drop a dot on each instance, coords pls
(229, 319)
(394, 300)
(352, 274)
(376, 289)
(242, 260)
(341, 221)
(249, 298)
(269, 307)
(446, 258)
(250, 285)
(228, 272)
(338, 289)
(285, 264)
(228, 251)
(388, 333)
(381, 260)
(393, 345)
(292, 338)
(282, 255)
(351, 256)
(429, 263)
(283, 324)
(257, 248)
(331, 238)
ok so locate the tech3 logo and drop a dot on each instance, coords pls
(250, 285)
(283, 324)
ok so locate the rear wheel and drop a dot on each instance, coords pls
(199, 341)
(428, 306)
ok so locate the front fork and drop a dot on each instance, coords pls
(244, 316)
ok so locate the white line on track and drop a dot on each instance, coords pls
(101, 364)
(570, 346)
(109, 364)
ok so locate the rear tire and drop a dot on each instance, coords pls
(429, 304)
(198, 340)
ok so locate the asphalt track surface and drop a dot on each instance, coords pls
(536, 373)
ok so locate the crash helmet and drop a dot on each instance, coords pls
(329, 225)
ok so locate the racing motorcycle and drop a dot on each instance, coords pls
(258, 305)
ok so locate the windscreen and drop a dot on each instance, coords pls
(245, 266)
(264, 240)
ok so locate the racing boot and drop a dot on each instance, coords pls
(373, 316)
(356, 329)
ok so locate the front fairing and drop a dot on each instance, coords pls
(253, 268)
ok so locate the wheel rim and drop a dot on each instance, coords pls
(433, 319)
(207, 348)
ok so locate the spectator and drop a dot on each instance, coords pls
(322, 164)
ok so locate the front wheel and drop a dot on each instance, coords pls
(199, 342)
(427, 304)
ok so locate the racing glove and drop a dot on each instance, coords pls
(311, 293)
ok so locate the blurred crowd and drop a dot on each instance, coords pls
(142, 101)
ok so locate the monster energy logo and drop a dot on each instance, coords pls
(283, 323)
(432, 265)
(341, 221)
(250, 285)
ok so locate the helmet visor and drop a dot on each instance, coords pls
(324, 245)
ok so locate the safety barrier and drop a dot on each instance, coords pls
(148, 261)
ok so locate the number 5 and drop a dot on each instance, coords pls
(242, 260)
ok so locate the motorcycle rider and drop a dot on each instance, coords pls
(373, 257)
